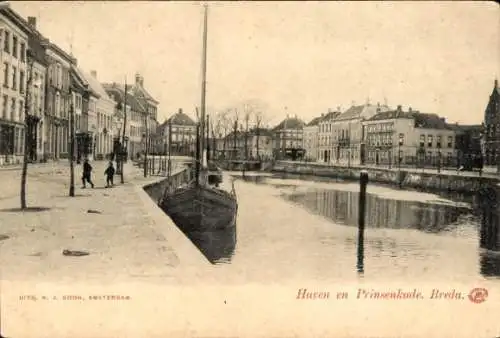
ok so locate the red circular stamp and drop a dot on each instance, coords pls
(478, 295)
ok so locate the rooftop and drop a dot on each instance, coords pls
(181, 119)
(290, 123)
(422, 120)
(365, 111)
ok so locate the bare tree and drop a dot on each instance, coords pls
(258, 117)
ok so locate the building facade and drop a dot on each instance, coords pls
(183, 134)
(492, 129)
(14, 35)
(135, 116)
(288, 141)
(325, 136)
(411, 138)
(58, 100)
(260, 144)
(310, 139)
(150, 106)
(348, 134)
(104, 112)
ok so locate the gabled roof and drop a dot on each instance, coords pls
(290, 123)
(181, 119)
(422, 120)
(429, 121)
(315, 121)
(117, 92)
(96, 86)
(364, 111)
(142, 93)
(77, 80)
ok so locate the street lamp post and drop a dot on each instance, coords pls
(400, 143)
(72, 147)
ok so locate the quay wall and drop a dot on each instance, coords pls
(191, 258)
(443, 181)
(156, 189)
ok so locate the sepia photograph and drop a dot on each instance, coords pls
(241, 169)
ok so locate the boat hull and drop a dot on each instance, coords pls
(201, 208)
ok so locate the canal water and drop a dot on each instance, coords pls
(291, 227)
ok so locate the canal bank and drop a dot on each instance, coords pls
(463, 182)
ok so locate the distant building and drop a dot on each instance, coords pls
(310, 139)
(183, 134)
(150, 106)
(325, 135)
(85, 118)
(289, 138)
(348, 134)
(469, 145)
(104, 112)
(136, 117)
(492, 129)
(414, 137)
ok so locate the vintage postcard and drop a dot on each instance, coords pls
(249, 169)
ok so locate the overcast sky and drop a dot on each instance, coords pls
(435, 57)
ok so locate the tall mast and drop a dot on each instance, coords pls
(204, 79)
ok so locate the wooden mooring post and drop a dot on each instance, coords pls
(363, 182)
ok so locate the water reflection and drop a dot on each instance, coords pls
(217, 245)
(342, 207)
(480, 222)
(489, 234)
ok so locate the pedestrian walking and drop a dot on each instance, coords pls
(109, 172)
(87, 173)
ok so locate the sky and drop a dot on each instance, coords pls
(293, 58)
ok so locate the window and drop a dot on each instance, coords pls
(21, 81)
(429, 141)
(14, 78)
(21, 111)
(57, 105)
(59, 76)
(6, 74)
(6, 42)
(4, 106)
(23, 52)
(450, 141)
(422, 141)
(438, 141)
(13, 109)
(14, 46)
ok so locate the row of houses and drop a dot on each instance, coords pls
(42, 87)
(367, 134)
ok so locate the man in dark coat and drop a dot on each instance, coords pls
(110, 172)
(87, 172)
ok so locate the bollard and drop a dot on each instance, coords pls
(363, 182)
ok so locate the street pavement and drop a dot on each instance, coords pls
(113, 225)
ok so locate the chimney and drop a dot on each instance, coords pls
(399, 107)
(137, 78)
(322, 114)
(32, 21)
(409, 109)
(142, 81)
(180, 110)
(496, 83)
(94, 74)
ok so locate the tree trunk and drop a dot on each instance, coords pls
(27, 135)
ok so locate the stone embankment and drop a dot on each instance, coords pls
(429, 179)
